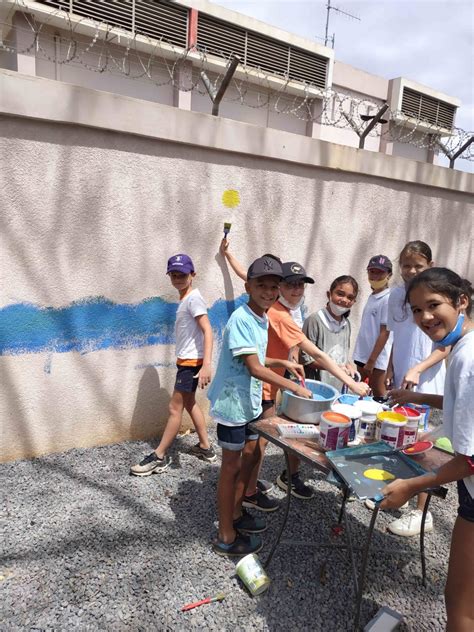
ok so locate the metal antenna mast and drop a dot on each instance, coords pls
(330, 8)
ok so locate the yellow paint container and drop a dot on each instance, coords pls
(391, 428)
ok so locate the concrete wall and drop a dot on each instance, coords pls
(98, 190)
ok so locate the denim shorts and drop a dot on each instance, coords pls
(466, 502)
(235, 437)
(186, 382)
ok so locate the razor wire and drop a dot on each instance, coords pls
(116, 51)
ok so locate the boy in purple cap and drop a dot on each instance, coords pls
(194, 351)
(374, 341)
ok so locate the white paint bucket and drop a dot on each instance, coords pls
(425, 412)
(334, 430)
(414, 419)
(368, 419)
(253, 575)
(391, 428)
(354, 415)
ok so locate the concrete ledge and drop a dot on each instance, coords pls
(48, 100)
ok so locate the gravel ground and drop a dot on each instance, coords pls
(85, 546)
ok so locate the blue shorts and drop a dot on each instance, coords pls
(186, 382)
(235, 437)
(466, 503)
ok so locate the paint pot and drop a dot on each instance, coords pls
(413, 422)
(253, 575)
(391, 428)
(425, 412)
(368, 418)
(354, 415)
(334, 430)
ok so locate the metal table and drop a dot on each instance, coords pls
(311, 452)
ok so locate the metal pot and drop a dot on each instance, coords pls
(308, 411)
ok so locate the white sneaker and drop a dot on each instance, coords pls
(410, 523)
(370, 504)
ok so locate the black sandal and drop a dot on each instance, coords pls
(242, 545)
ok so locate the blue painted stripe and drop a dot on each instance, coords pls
(96, 323)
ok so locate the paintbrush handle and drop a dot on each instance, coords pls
(190, 606)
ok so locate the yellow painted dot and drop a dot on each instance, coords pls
(379, 475)
(231, 198)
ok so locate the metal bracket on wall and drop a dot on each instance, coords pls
(362, 133)
(216, 94)
(454, 155)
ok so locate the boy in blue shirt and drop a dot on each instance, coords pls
(236, 400)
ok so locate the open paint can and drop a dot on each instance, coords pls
(368, 418)
(354, 415)
(253, 575)
(425, 412)
(413, 423)
(391, 428)
(334, 430)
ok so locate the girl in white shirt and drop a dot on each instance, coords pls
(441, 304)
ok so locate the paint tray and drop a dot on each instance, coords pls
(351, 465)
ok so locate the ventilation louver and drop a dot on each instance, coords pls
(154, 18)
(429, 109)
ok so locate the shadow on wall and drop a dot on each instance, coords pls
(151, 408)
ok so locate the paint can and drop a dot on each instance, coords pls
(368, 418)
(425, 412)
(334, 430)
(253, 575)
(354, 415)
(413, 422)
(391, 428)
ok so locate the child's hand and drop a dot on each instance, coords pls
(349, 368)
(412, 378)
(400, 396)
(224, 246)
(360, 388)
(296, 369)
(204, 376)
(369, 367)
(396, 494)
(304, 392)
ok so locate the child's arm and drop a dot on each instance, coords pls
(205, 373)
(406, 396)
(376, 351)
(265, 374)
(292, 367)
(412, 378)
(233, 262)
(327, 363)
(397, 493)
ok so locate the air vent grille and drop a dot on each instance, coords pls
(429, 109)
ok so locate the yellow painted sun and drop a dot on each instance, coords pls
(378, 475)
(231, 198)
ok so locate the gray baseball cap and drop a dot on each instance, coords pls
(265, 266)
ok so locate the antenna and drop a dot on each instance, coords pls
(330, 8)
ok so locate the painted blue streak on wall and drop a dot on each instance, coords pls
(95, 323)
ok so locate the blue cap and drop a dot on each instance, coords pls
(180, 263)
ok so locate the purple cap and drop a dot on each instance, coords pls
(380, 262)
(180, 263)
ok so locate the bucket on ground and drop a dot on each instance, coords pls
(391, 428)
(334, 430)
(414, 418)
(253, 575)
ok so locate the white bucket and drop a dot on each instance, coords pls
(354, 415)
(253, 575)
(391, 428)
(414, 420)
(368, 419)
(334, 430)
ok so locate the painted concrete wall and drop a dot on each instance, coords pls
(90, 216)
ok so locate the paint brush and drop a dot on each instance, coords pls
(227, 226)
(190, 606)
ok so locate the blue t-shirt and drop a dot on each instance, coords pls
(236, 396)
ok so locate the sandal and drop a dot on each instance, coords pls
(242, 545)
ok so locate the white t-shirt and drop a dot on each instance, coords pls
(411, 346)
(189, 336)
(374, 315)
(458, 401)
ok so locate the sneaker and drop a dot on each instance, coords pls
(410, 523)
(264, 486)
(298, 488)
(242, 545)
(370, 504)
(208, 455)
(261, 502)
(249, 523)
(151, 464)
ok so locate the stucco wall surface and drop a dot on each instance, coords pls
(89, 218)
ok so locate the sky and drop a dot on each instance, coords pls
(428, 41)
